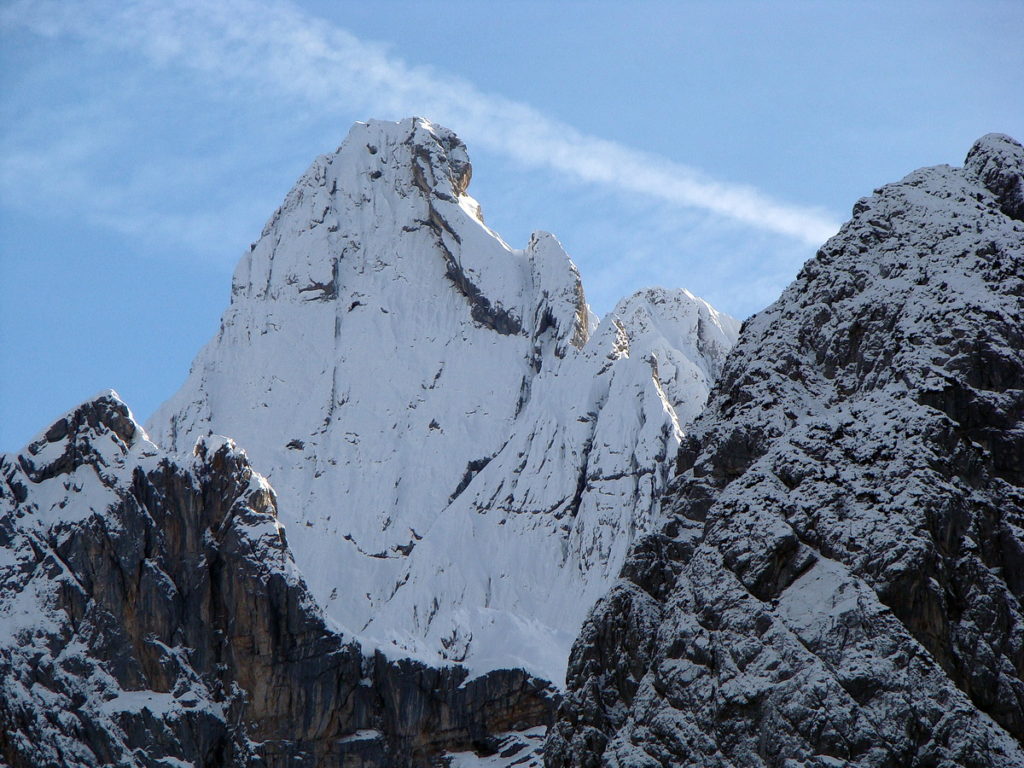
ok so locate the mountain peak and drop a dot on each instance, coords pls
(389, 204)
(100, 431)
(438, 158)
(997, 162)
(418, 392)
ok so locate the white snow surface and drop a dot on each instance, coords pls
(462, 457)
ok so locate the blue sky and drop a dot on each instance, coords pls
(703, 145)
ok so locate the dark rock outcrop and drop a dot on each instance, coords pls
(842, 582)
(151, 612)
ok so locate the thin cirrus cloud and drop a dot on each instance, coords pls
(278, 48)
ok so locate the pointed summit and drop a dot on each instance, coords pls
(390, 205)
(409, 383)
(99, 432)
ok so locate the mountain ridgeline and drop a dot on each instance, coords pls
(840, 579)
(153, 616)
(459, 521)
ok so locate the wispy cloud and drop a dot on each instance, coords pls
(286, 53)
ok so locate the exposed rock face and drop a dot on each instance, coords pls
(463, 457)
(844, 574)
(151, 613)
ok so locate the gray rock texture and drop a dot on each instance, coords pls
(842, 581)
(151, 615)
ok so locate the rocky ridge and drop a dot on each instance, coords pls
(842, 579)
(152, 615)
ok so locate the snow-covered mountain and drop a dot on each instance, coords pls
(462, 453)
(825, 569)
(842, 578)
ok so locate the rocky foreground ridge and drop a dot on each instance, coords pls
(842, 579)
(152, 615)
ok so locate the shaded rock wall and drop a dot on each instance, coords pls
(152, 612)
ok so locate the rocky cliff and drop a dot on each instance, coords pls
(152, 615)
(842, 579)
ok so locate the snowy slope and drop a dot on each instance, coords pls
(453, 442)
(842, 582)
(516, 560)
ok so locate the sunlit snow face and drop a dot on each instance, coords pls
(419, 393)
